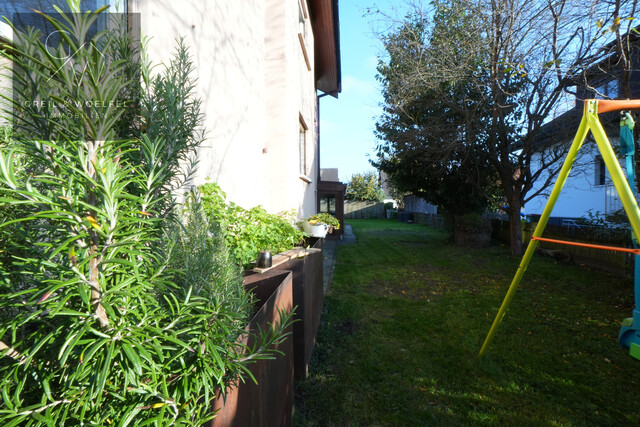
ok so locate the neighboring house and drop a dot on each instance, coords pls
(261, 68)
(415, 204)
(387, 189)
(589, 187)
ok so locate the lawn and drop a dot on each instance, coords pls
(408, 312)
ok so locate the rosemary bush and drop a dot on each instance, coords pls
(115, 307)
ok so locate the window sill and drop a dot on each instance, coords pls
(305, 179)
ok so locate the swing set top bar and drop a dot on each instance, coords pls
(607, 105)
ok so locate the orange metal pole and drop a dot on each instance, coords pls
(607, 105)
(588, 245)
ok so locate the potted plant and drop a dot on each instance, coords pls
(320, 224)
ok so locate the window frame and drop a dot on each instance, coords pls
(303, 18)
(303, 168)
(600, 171)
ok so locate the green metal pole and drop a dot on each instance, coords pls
(617, 176)
(542, 223)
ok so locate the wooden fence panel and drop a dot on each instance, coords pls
(363, 210)
(615, 262)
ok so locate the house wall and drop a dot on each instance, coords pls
(581, 193)
(329, 174)
(5, 75)
(290, 101)
(255, 88)
(417, 204)
(5, 89)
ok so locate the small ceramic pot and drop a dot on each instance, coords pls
(264, 259)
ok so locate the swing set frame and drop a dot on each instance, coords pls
(590, 122)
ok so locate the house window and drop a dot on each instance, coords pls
(302, 145)
(601, 171)
(8, 8)
(328, 203)
(609, 89)
(302, 30)
(302, 17)
(22, 14)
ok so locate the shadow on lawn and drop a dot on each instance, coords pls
(408, 313)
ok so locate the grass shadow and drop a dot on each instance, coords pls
(407, 314)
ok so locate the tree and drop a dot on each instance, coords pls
(519, 56)
(431, 136)
(623, 48)
(364, 186)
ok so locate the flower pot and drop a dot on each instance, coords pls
(315, 230)
(264, 259)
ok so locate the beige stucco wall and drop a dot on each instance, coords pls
(5, 90)
(5, 76)
(255, 86)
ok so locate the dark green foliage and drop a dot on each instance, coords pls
(324, 218)
(171, 125)
(433, 131)
(249, 231)
(115, 308)
(472, 222)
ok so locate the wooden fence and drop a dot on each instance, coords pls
(363, 210)
(432, 220)
(614, 262)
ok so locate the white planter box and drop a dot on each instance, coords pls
(315, 230)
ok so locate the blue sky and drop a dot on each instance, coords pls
(347, 123)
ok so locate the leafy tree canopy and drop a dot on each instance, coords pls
(365, 187)
(467, 86)
(432, 135)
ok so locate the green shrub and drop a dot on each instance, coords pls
(115, 308)
(364, 186)
(324, 218)
(12, 232)
(249, 231)
(472, 222)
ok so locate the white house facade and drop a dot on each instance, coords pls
(587, 191)
(261, 66)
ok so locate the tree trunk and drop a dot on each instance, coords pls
(515, 228)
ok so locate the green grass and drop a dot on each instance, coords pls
(408, 312)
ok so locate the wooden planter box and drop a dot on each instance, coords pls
(270, 402)
(308, 298)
